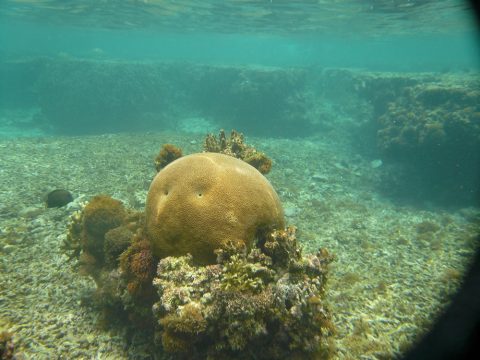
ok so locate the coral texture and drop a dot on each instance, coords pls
(245, 306)
(235, 146)
(138, 268)
(167, 154)
(116, 242)
(100, 233)
(100, 215)
(202, 202)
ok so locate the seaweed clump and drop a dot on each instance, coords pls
(270, 298)
(261, 295)
(107, 240)
(235, 146)
(168, 153)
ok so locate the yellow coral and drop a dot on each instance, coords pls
(209, 201)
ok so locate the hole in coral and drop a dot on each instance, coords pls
(166, 192)
(200, 194)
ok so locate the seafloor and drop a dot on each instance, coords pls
(396, 269)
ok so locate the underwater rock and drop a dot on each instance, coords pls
(268, 296)
(58, 198)
(207, 201)
(116, 242)
(263, 100)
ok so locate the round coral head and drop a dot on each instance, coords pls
(207, 201)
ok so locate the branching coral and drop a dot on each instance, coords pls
(244, 303)
(235, 146)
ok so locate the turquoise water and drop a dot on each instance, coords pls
(400, 35)
(368, 110)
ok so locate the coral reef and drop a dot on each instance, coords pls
(270, 299)
(167, 154)
(235, 146)
(138, 268)
(100, 96)
(202, 202)
(58, 198)
(434, 131)
(209, 271)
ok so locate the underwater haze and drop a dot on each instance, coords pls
(364, 117)
(376, 35)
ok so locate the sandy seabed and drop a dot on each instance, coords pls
(397, 266)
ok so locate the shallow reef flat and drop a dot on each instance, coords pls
(396, 266)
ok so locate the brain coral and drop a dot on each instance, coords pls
(207, 201)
